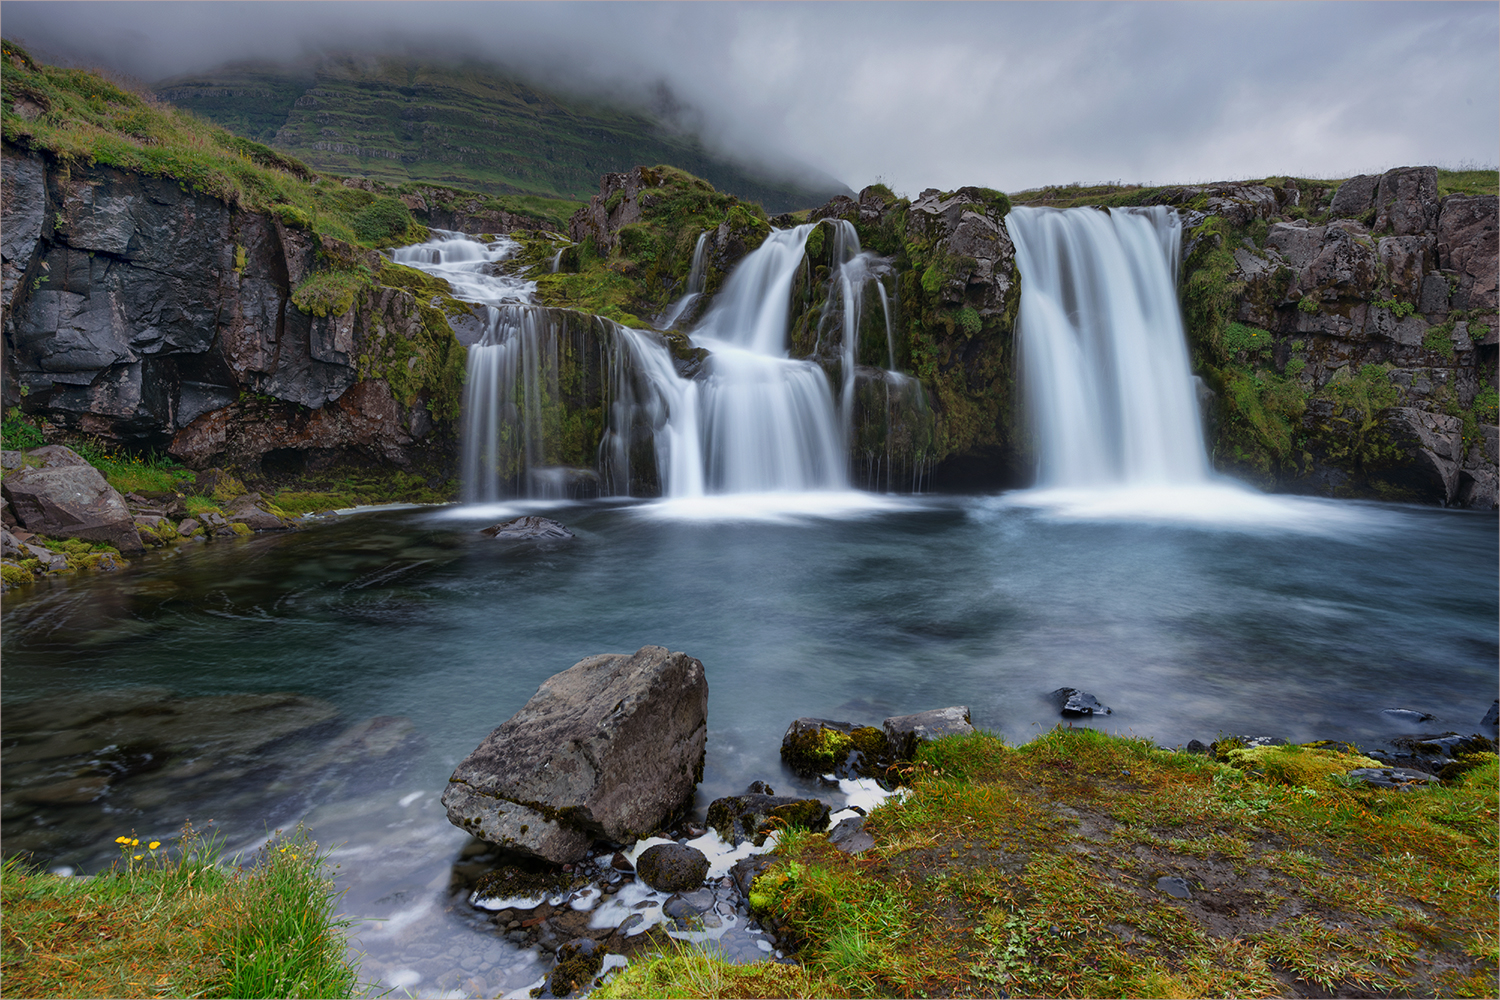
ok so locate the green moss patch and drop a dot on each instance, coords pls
(1035, 870)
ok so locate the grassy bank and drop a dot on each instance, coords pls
(177, 921)
(1034, 871)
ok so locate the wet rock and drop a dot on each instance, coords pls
(744, 871)
(1405, 715)
(70, 499)
(251, 510)
(850, 836)
(685, 905)
(761, 788)
(526, 527)
(1075, 703)
(672, 867)
(904, 733)
(1401, 779)
(1172, 885)
(578, 962)
(823, 746)
(609, 748)
(1492, 717)
(738, 818)
(1196, 747)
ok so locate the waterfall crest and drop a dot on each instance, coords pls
(1104, 358)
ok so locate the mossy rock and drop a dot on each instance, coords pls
(1305, 766)
(822, 746)
(513, 880)
(738, 818)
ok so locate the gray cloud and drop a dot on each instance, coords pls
(926, 94)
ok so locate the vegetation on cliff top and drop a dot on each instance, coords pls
(1037, 870)
(178, 920)
(414, 121)
(82, 117)
(646, 266)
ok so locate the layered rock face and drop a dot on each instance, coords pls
(1384, 319)
(147, 315)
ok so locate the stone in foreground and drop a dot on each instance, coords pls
(904, 733)
(529, 526)
(672, 867)
(609, 748)
(824, 746)
(1075, 703)
(68, 498)
(738, 818)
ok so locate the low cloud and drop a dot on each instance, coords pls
(919, 95)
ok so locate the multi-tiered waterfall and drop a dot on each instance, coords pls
(1103, 357)
(1104, 361)
(753, 421)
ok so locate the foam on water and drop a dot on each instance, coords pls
(1220, 505)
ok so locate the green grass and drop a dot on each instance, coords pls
(82, 117)
(1470, 182)
(1033, 870)
(178, 920)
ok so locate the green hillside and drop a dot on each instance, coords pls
(399, 119)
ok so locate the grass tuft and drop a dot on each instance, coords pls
(178, 920)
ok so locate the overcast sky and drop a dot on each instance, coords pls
(1007, 95)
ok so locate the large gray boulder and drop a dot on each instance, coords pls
(68, 498)
(609, 748)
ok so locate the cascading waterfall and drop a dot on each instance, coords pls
(754, 420)
(768, 419)
(1103, 356)
(697, 278)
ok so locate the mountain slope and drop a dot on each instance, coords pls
(399, 119)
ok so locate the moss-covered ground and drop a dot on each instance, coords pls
(1034, 871)
(177, 920)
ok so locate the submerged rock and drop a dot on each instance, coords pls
(904, 733)
(1075, 703)
(672, 867)
(738, 818)
(529, 526)
(610, 748)
(1405, 715)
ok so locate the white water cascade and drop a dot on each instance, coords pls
(1103, 356)
(769, 422)
(753, 420)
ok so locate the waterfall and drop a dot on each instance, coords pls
(697, 278)
(1104, 359)
(768, 420)
(542, 382)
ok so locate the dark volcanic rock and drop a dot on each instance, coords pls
(904, 733)
(672, 867)
(610, 747)
(1492, 717)
(529, 526)
(1073, 702)
(738, 818)
(850, 835)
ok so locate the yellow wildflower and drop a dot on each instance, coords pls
(122, 840)
(138, 857)
(154, 844)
